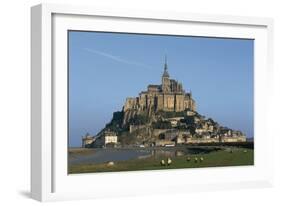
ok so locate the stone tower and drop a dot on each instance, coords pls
(165, 78)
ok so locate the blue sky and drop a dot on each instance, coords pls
(105, 68)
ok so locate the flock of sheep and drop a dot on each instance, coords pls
(169, 161)
(188, 159)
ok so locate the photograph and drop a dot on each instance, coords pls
(139, 101)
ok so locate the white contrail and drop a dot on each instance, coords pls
(118, 59)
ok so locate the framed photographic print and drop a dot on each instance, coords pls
(137, 102)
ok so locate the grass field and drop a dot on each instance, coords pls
(238, 156)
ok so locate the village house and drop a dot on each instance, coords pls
(87, 140)
(109, 138)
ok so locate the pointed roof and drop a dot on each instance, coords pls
(166, 74)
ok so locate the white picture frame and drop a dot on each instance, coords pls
(49, 178)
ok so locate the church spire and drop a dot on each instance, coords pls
(165, 74)
(165, 66)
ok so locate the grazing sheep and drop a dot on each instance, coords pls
(188, 159)
(196, 159)
(201, 159)
(110, 163)
(162, 162)
(245, 151)
(169, 161)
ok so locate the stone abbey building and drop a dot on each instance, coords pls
(169, 96)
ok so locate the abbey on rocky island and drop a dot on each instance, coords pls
(162, 115)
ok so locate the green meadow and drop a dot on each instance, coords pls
(224, 157)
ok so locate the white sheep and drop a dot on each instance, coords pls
(162, 162)
(169, 161)
(110, 163)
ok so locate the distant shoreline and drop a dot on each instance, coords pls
(248, 144)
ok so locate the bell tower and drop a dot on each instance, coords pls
(165, 78)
